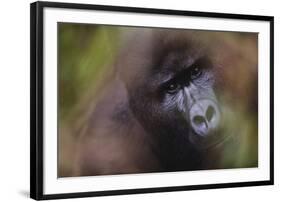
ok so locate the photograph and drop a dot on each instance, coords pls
(128, 100)
(143, 99)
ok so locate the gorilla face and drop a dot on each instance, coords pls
(177, 99)
(190, 93)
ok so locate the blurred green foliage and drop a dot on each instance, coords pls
(85, 52)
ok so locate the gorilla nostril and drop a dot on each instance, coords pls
(210, 113)
(198, 120)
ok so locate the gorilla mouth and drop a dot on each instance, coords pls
(213, 139)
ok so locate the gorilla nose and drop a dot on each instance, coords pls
(205, 117)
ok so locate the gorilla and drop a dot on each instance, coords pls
(176, 100)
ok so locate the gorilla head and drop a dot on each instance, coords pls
(171, 91)
(174, 86)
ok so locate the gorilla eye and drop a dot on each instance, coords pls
(173, 87)
(195, 72)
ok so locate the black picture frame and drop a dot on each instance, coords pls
(37, 98)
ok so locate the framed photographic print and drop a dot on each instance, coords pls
(134, 100)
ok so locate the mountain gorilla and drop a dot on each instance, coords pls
(177, 100)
